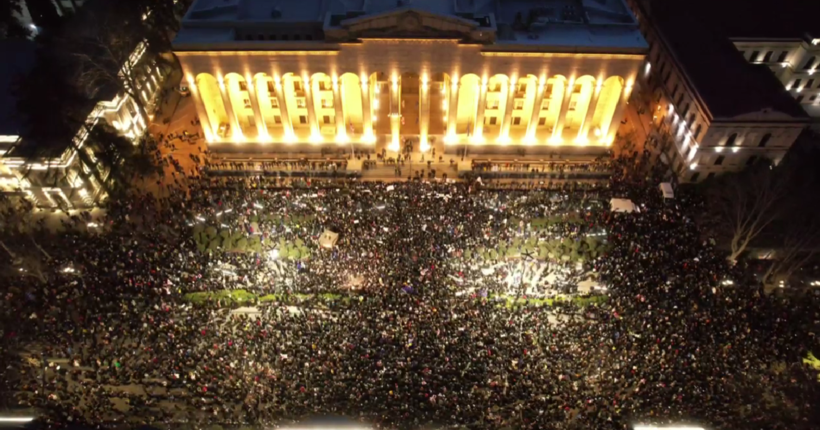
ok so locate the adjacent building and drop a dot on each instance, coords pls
(273, 76)
(713, 111)
(66, 178)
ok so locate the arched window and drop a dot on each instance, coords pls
(809, 63)
(764, 140)
(731, 140)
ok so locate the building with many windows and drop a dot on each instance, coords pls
(65, 178)
(286, 76)
(715, 112)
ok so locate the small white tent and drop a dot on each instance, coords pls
(666, 189)
(328, 239)
(622, 205)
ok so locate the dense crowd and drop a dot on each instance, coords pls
(111, 336)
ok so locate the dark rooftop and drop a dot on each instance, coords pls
(765, 19)
(18, 59)
(727, 83)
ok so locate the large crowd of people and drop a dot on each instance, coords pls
(379, 327)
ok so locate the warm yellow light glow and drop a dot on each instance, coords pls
(191, 80)
(375, 104)
(555, 140)
(583, 141)
(530, 140)
(342, 138)
(503, 140)
(289, 138)
(316, 138)
(444, 105)
(477, 139)
(424, 146)
(484, 81)
(542, 81)
(450, 139)
(455, 80)
(376, 89)
(395, 80)
(394, 145)
(424, 80)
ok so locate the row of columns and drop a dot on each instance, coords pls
(424, 119)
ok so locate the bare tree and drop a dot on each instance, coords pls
(745, 204)
(798, 248)
(108, 48)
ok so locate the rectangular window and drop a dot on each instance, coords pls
(243, 86)
(545, 105)
(270, 87)
(542, 120)
(675, 91)
(302, 119)
(799, 99)
(710, 176)
(666, 79)
(247, 103)
(719, 160)
(300, 103)
(754, 56)
(796, 83)
(572, 105)
(297, 85)
(274, 103)
(810, 83)
(768, 56)
(519, 104)
(493, 120)
(751, 160)
(323, 85)
(694, 177)
(277, 119)
(812, 98)
(517, 120)
(326, 119)
(492, 104)
(782, 57)
(327, 103)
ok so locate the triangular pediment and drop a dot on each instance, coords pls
(409, 22)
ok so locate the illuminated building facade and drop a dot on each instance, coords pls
(70, 176)
(294, 76)
(716, 113)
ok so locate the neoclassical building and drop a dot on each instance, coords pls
(273, 76)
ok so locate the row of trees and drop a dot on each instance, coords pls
(768, 206)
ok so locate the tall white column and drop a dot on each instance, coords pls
(311, 108)
(287, 125)
(583, 133)
(367, 113)
(620, 111)
(208, 129)
(337, 106)
(424, 112)
(504, 134)
(452, 112)
(562, 115)
(236, 131)
(261, 127)
(395, 114)
(478, 127)
(536, 112)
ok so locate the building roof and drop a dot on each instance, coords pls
(573, 23)
(761, 19)
(728, 84)
(18, 60)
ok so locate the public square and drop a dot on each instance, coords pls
(233, 302)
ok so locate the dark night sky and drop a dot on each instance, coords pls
(762, 18)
